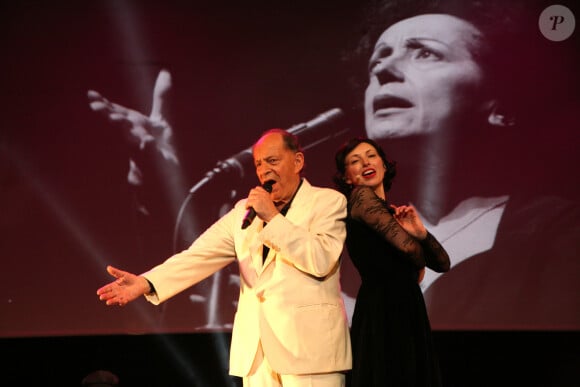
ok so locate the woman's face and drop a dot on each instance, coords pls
(364, 166)
(423, 77)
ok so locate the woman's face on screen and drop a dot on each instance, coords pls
(423, 77)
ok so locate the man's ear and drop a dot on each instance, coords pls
(499, 115)
(299, 161)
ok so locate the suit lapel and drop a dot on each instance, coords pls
(254, 244)
(291, 215)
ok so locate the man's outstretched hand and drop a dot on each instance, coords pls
(126, 287)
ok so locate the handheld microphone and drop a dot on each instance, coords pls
(251, 214)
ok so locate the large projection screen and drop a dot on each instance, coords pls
(78, 192)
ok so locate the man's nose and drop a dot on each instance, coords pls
(263, 172)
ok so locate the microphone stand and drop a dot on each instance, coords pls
(233, 164)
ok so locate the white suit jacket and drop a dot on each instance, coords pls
(292, 302)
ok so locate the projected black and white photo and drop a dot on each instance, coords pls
(128, 126)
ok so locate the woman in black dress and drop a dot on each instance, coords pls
(390, 247)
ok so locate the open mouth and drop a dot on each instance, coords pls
(369, 173)
(385, 102)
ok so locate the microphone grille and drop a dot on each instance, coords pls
(268, 185)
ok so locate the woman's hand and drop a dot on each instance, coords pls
(141, 128)
(408, 219)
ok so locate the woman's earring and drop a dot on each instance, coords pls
(499, 118)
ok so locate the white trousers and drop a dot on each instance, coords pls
(262, 375)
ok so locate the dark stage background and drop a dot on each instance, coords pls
(467, 359)
(67, 209)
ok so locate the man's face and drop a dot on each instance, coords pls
(273, 161)
(422, 77)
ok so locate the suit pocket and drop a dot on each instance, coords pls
(320, 326)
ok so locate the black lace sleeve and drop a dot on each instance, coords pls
(436, 258)
(365, 206)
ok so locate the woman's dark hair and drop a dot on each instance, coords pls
(340, 158)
